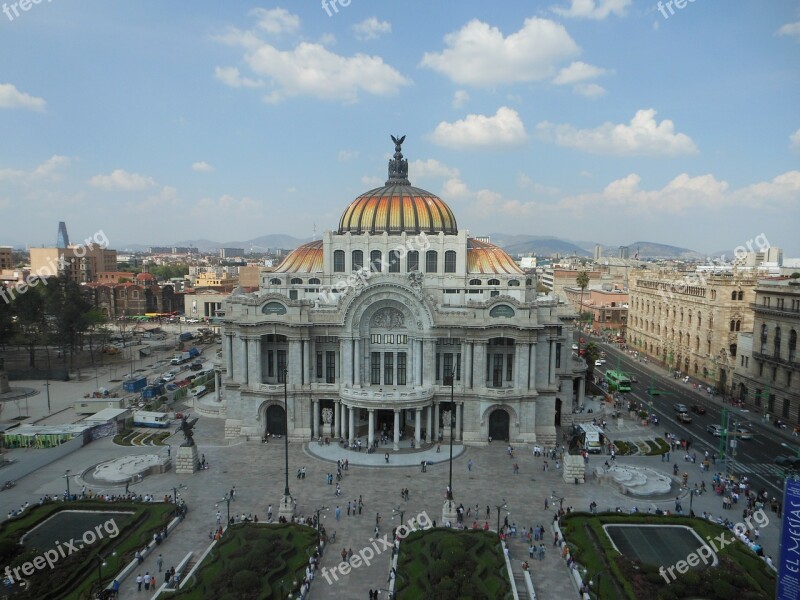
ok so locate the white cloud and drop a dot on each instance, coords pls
(576, 72)
(480, 55)
(780, 193)
(642, 137)
(790, 29)
(165, 199)
(455, 189)
(460, 98)
(11, 97)
(594, 9)
(276, 20)
(230, 76)
(345, 155)
(505, 128)
(794, 140)
(590, 90)
(122, 180)
(526, 183)
(48, 169)
(202, 167)
(371, 29)
(371, 181)
(226, 204)
(430, 168)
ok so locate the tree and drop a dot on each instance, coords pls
(69, 313)
(592, 354)
(583, 281)
(28, 308)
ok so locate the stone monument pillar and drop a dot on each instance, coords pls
(327, 420)
(186, 460)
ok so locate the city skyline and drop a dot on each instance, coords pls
(157, 126)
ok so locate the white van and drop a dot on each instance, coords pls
(200, 390)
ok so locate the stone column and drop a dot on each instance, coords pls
(229, 356)
(294, 360)
(355, 346)
(420, 361)
(254, 360)
(521, 366)
(351, 427)
(346, 353)
(417, 426)
(312, 367)
(217, 386)
(458, 422)
(435, 409)
(532, 367)
(428, 422)
(244, 376)
(552, 374)
(479, 373)
(467, 354)
(315, 408)
(345, 408)
(429, 363)
(337, 418)
(396, 444)
(371, 433)
(306, 365)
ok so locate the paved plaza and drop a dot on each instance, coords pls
(256, 470)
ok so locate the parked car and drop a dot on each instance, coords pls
(168, 376)
(680, 408)
(743, 433)
(698, 410)
(684, 417)
(196, 366)
(714, 430)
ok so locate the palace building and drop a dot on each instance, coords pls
(377, 326)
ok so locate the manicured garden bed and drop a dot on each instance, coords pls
(446, 564)
(740, 573)
(250, 562)
(74, 573)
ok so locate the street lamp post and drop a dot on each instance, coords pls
(398, 510)
(449, 513)
(499, 507)
(287, 503)
(66, 476)
(227, 498)
(319, 525)
(47, 387)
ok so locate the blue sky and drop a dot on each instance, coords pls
(596, 120)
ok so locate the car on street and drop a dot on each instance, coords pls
(714, 430)
(698, 410)
(574, 346)
(680, 408)
(168, 376)
(633, 379)
(791, 463)
(196, 366)
(598, 363)
(684, 417)
(743, 433)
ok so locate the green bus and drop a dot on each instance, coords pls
(618, 381)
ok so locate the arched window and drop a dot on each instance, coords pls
(357, 260)
(513, 283)
(431, 261)
(529, 282)
(764, 334)
(314, 281)
(493, 282)
(450, 261)
(394, 261)
(738, 325)
(697, 344)
(274, 281)
(733, 295)
(777, 342)
(296, 281)
(699, 320)
(412, 261)
(475, 282)
(792, 345)
(376, 261)
(733, 325)
(741, 296)
(338, 261)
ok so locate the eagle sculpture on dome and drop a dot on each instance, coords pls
(398, 167)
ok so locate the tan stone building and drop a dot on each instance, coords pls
(609, 308)
(6, 258)
(559, 278)
(82, 263)
(768, 377)
(690, 320)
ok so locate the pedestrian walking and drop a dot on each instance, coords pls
(139, 581)
(469, 465)
(160, 562)
(338, 513)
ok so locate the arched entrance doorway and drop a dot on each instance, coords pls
(276, 420)
(499, 422)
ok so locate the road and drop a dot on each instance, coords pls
(753, 458)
